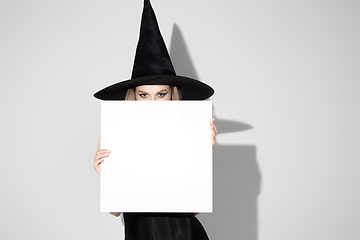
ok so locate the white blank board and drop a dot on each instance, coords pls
(161, 156)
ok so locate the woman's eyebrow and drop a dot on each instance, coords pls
(162, 90)
(146, 92)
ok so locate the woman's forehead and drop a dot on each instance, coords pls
(152, 87)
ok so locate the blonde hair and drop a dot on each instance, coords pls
(175, 94)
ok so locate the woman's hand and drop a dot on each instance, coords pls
(214, 131)
(116, 214)
(99, 157)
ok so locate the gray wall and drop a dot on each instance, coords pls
(286, 76)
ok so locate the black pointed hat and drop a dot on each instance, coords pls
(152, 65)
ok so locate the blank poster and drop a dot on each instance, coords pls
(161, 156)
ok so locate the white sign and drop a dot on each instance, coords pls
(161, 156)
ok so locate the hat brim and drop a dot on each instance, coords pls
(190, 89)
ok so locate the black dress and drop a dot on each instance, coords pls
(163, 226)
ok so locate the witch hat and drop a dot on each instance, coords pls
(152, 66)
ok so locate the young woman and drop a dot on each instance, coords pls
(154, 79)
(157, 226)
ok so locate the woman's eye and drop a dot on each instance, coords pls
(142, 95)
(162, 94)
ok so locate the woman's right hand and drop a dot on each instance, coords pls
(99, 157)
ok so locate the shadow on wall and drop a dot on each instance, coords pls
(236, 189)
(236, 173)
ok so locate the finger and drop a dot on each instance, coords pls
(213, 124)
(98, 162)
(102, 151)
(213, 140)
(215, 128)
(103, 155)
(213, 131)
(99, 144)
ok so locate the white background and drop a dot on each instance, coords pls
(286, 76)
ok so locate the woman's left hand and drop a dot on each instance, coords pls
(214, 131)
